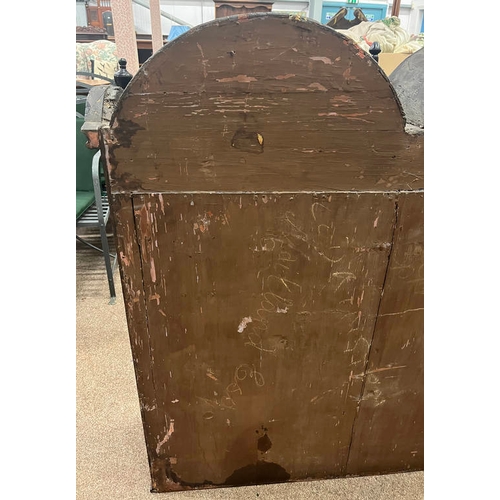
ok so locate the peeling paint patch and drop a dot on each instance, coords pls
(244, 323)
(153, 271)
(125, 260)
(342, 98)
(239, 78)
(325, 60)
(318, 86)
(162, 205)
(167, 436)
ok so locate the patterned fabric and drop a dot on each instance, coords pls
(102, 52)
(388, 33)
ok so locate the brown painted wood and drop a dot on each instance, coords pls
(268, 204)
(262, 102)
(135, 310)
(261, 315)
(389, 431)
(395, 8)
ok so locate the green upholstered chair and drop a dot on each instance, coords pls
(92, 207)
(84, 187)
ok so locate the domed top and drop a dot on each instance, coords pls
(258, 100)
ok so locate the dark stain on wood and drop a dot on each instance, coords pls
(125, 133)
(251, 142)
(259, 473)
(125, 180)
(273, 299)
(264, 444)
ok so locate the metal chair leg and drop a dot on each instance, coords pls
(102, 225)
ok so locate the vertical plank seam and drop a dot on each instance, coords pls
(363, 384)
(145, 415)
(120, 201)
(117, 204)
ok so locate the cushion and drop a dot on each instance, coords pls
(83, 201)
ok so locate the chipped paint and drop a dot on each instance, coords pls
(325, 60)
(239, 78)
(169, 433)
(318, 86)
(244, 323)
(284, 77)
(153, 270)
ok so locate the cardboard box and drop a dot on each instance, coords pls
(389, 62)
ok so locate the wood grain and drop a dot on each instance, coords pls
(261, 102)
(260, 311)
(389, 431)
(137, 320)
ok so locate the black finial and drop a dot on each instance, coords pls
(375, 50)
(122, 76)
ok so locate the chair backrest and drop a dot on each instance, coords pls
(84, 157)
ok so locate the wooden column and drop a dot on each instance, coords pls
(125, 39)
(395, 8)
(156, 32)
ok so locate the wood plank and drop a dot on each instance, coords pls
(389, 431)
(224, 154)
(251, 53)
(260, 312)
(137, 320)
(262, 103)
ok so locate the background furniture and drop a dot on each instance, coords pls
(408, 82)
(237, 7)
(92, 207)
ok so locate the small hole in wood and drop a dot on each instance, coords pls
(250, 142)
